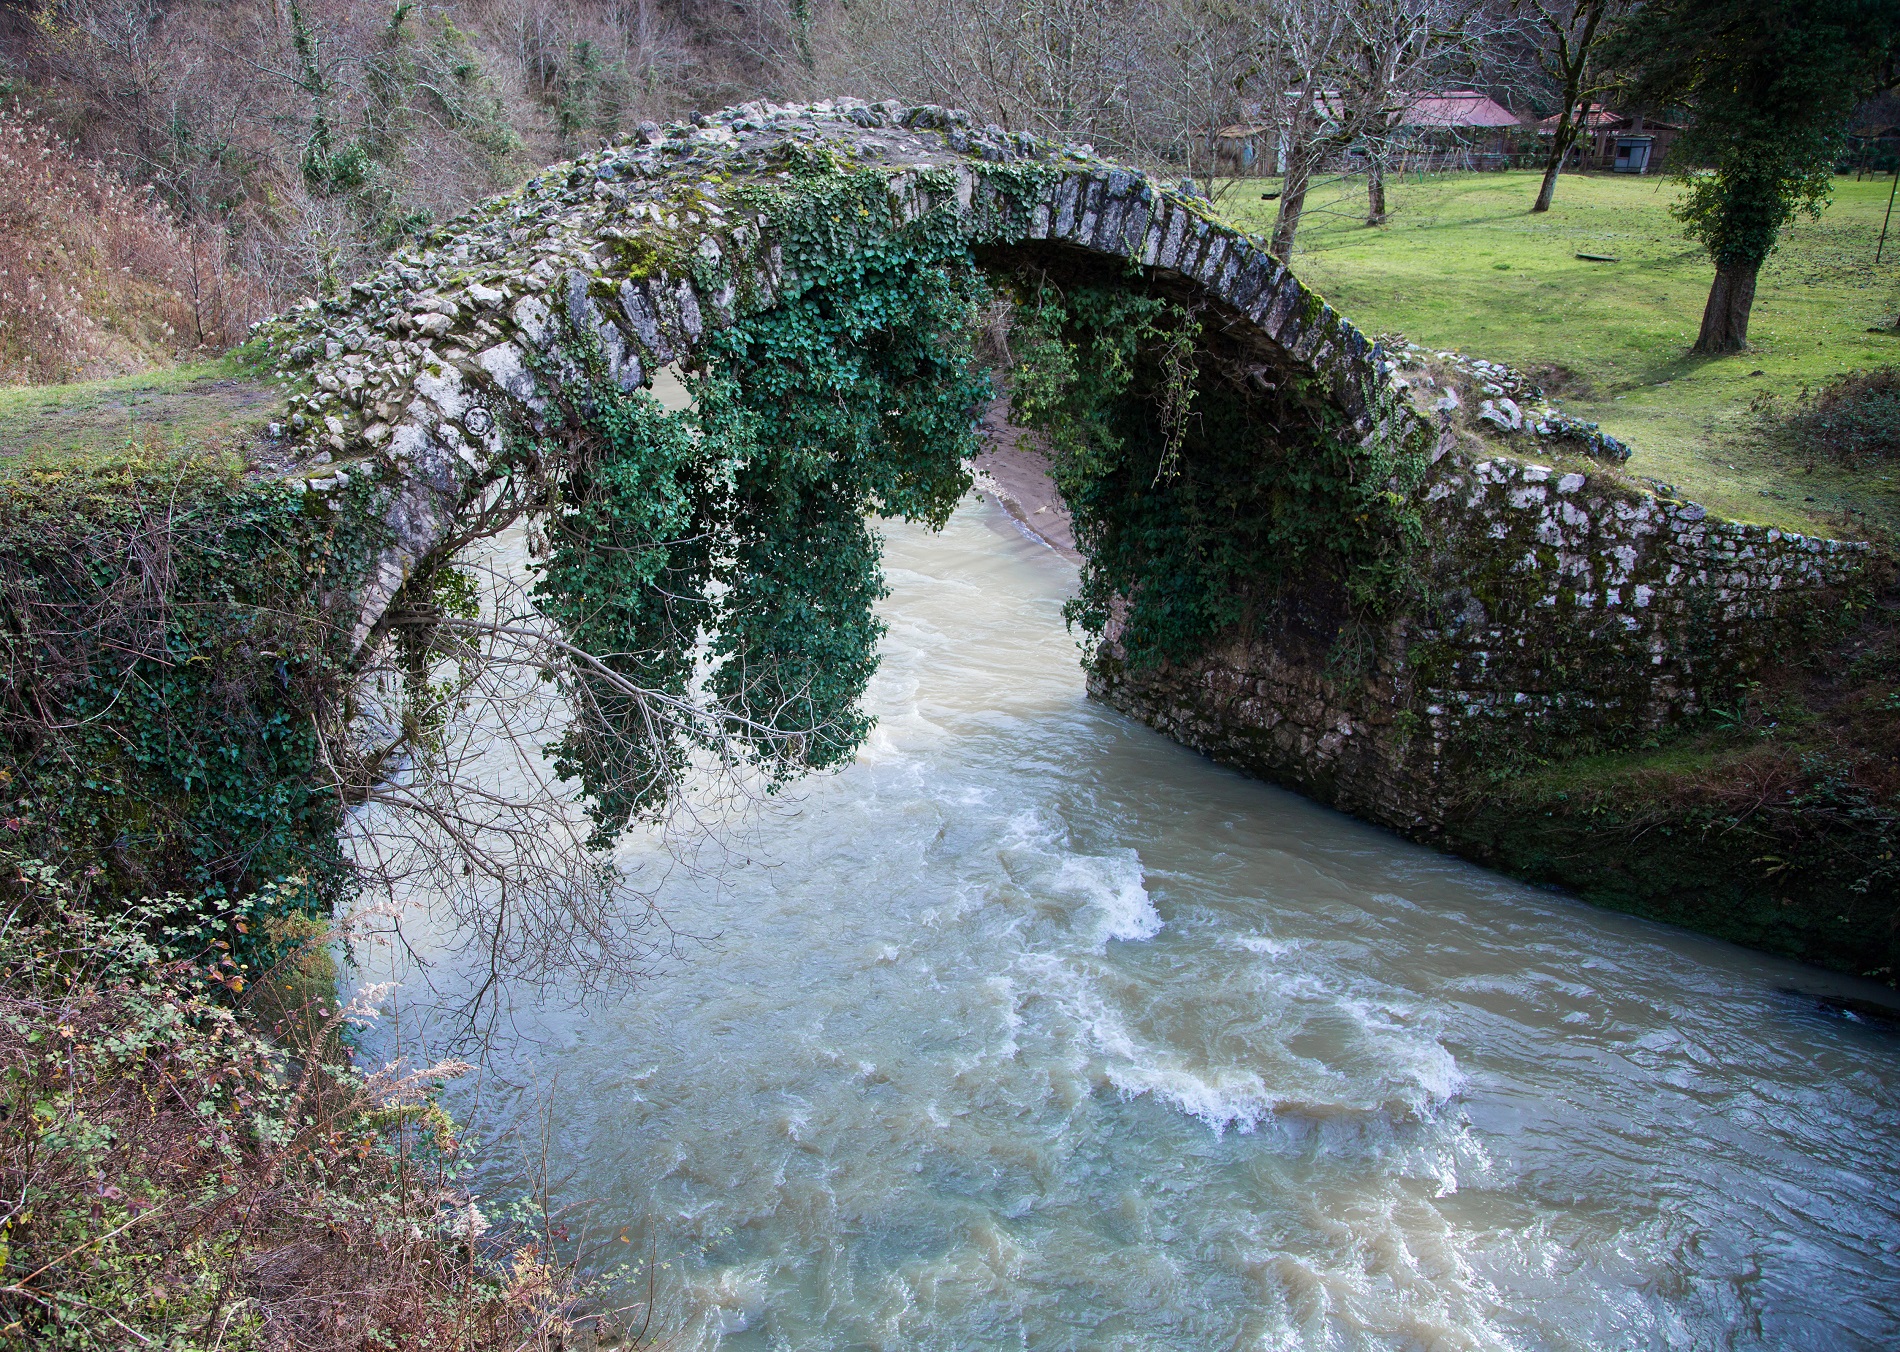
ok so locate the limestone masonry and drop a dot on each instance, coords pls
(1555, 605)
(1562, 610)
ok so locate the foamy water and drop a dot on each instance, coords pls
(1034, 1030)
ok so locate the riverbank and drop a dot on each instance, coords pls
(190, 1149)
(1767, 821)
(1770, 821)
(1014, 470)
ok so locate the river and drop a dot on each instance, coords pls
(1032, 1029)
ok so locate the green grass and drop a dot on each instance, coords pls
(206, 406)
(1463, 264)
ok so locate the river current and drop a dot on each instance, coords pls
(1031, 1029)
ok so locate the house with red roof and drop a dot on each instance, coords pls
(1456, 129)
(1463, 108)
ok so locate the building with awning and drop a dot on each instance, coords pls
(1240, 142)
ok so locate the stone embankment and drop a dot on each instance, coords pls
(1557, 611)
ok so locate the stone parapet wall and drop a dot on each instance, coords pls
(1556, 611)
(1573, 602)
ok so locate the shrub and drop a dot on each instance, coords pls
(1856, 419)
(172, 1177)
(163, 669)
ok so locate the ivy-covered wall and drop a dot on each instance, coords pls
(1554, 613)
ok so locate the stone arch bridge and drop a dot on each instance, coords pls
(1558, 601)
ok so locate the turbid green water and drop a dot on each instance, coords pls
(1034, 1030)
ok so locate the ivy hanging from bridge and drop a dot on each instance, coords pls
(726, 552)
(723, 559)
(1199, 491)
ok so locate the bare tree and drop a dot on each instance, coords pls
(1302, 48)
(1199, 78)
(1343, 74)
(1393, 46)
(1569, 29)
(1049, 67)
(1142, 80)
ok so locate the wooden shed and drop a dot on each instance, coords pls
(1611, 141)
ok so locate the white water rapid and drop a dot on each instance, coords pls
(1034, 1030)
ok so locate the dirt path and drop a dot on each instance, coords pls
(1015, 470)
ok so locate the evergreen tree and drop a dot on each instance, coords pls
(1769, 85)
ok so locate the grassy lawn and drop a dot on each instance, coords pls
(1463, 264)
(206, 405)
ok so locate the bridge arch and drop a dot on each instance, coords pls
(647, 251)
(1534, 607)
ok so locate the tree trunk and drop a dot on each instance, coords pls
(1375, 190)
(1725, 317)
(1548, 188)
(1292, 200)
(1564, 137)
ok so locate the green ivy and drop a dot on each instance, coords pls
(737, 534)
(1195, 499)
(627, 578)
(161, 628)
(740, 529)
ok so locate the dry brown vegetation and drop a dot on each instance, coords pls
(96, 279)
(171, 1177)
(315, 134)
(175, 170)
